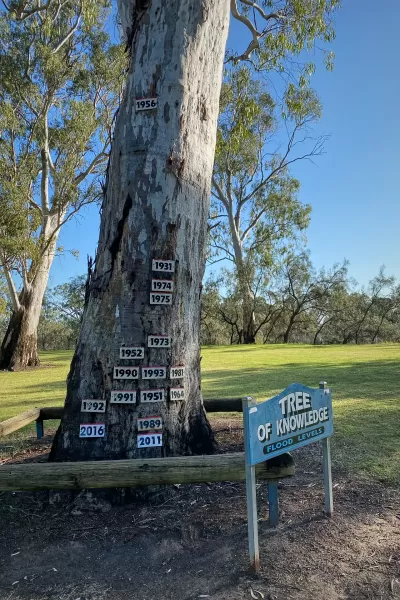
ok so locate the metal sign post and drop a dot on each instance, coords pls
(251, 492)
(326, 451)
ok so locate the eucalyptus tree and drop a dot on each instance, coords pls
(305, 290)
(380, 286)
(156, 207)
(328, 312)
(213, 332)
(60, 83)
(385, 316)
(68, 301)
(255, 211)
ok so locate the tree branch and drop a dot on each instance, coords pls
(252, 224)
(24, 14)
(95, 163)
(229, 190)
(25, 279)
(63, 219)
(44, 187)
(217, 260)
(212, 217)
(221, 195)
(229, 255)
(263, 13)
(211, 227)
(256, 34)
(283, 164)
(68, 35)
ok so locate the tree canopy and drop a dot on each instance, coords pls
(61, 78)
(255, 211)
(280, 30)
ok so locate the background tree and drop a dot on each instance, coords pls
(377, 288)
(54, 333)
(231, 315)
(212, 330)
(304, 290)
(61, 315)
(328, 311)
(273, 319)
(255, 211)
(156, 207)
(60, 80)
(385, 315)
(68, 300)
(303, 305)
(365, 315)
(263, 305)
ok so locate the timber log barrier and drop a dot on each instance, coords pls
(134, 472)
(129, 473)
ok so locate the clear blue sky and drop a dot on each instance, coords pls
(353, 189)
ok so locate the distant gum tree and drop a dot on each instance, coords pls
(255, 211)
(305, 290)
(60, 84)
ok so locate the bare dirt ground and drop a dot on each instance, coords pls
(194, 544)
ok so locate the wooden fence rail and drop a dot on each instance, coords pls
(134, 472)
(211, 405)
(223, 405)
(15, 423)
(51, 412)
(56, 412)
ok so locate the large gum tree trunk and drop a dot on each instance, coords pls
(249, 324)
(155, 207)
(19, 346)
(249, 321)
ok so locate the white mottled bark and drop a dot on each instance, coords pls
(246, 294)
(156, 206)
(19, 346)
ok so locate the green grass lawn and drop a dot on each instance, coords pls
(364, 379)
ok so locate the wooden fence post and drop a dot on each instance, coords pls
(39, 429)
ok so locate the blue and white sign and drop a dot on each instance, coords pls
(296, 417)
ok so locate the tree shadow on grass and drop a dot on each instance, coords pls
(47, 385)
(365, 406)
(27, 401)
(348, 380)
(53, 356)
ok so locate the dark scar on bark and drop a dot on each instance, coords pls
(115, 247)
(141, 7)
(171, 241)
